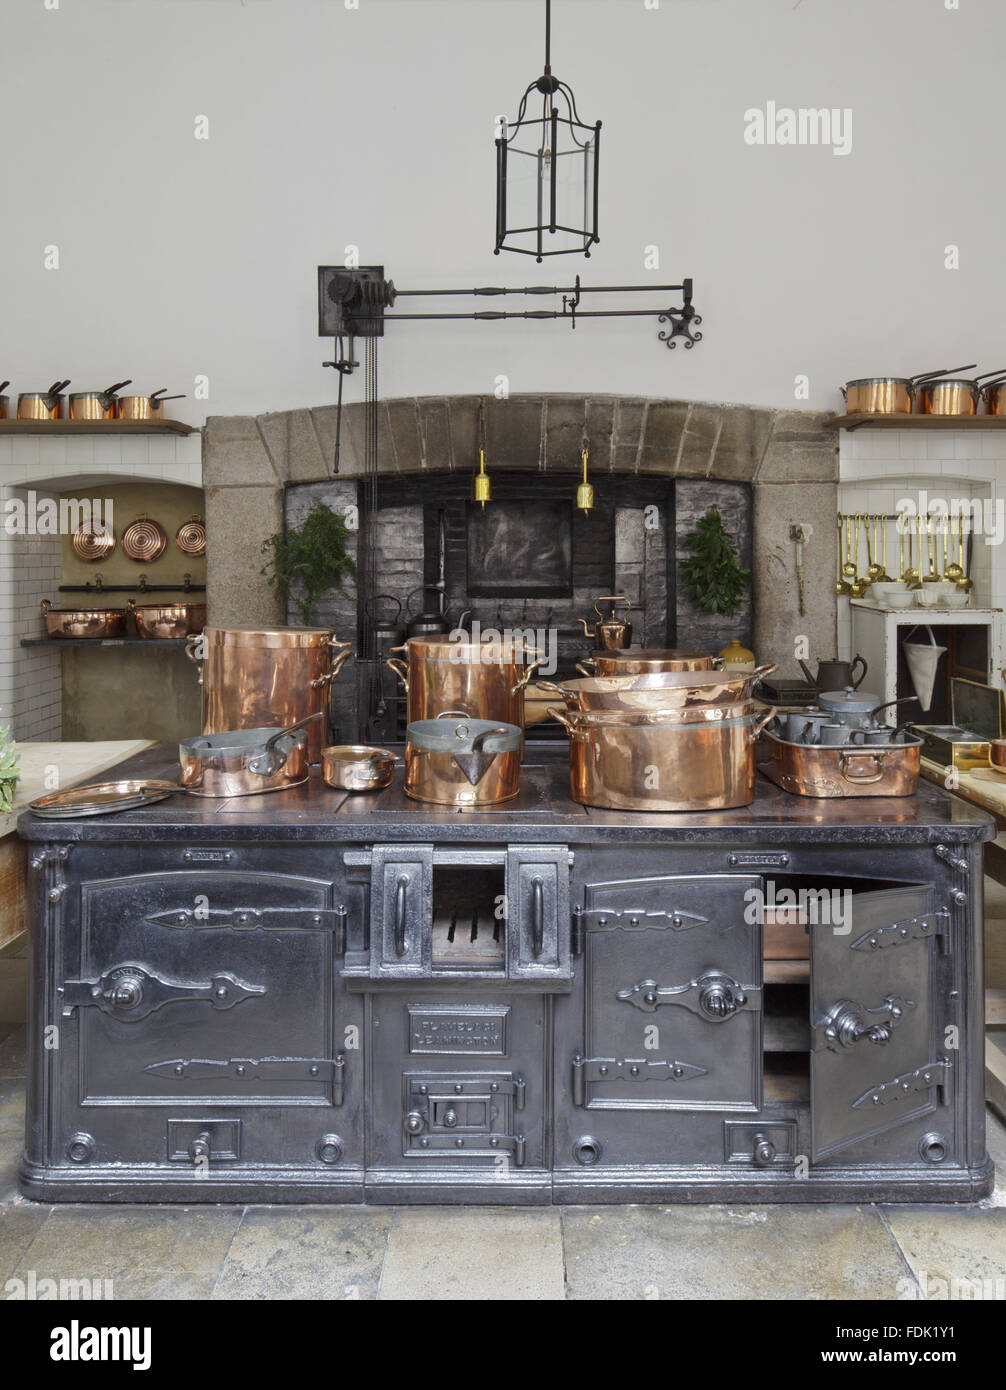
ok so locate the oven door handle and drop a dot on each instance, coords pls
(401, 909)
(537, 916)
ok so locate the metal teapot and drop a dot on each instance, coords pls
(610, 633)
(834, 674)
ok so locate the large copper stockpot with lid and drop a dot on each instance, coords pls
(267, 677)
(484, 680)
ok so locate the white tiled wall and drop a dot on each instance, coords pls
(877, 468)
(30, 677)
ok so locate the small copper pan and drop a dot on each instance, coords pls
(356, 767)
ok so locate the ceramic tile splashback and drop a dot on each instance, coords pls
(880, 468)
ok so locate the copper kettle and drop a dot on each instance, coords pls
(611, 633)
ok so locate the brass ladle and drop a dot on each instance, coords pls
(858, 586)
(873, 570)
(933, 577)
(885, 578)
(964, 583)
(842, 586)
(955, 570)
(911, 574)
(848, 569)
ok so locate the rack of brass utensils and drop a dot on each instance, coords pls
(932, 549)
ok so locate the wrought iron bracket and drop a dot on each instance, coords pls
(682, 322)
(331, 919)
(627, 1069)
(631, 919)
(245, 1070)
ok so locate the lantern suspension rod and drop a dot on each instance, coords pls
(542, 289)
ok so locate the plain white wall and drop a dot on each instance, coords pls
(330, 126)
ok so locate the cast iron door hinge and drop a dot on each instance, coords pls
(630, 919)
(331, 919)
(714, 996)
(938, 1073)
(587, 1069)
(129, 992)
(245, 1070)
(921, 928)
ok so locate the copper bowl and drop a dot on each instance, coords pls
(92, 623)
(997, 752)
(355, 767)
(166, 621)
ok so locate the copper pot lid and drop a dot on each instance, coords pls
(250, 635)
(92, 541)
(485, 652)
(191, 537)
(144, 540)
(101, 798)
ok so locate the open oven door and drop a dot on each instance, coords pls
(876, 1059)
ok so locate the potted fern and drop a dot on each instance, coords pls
(311, 560)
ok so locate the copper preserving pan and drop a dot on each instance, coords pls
(485, 680)
(356, 767)
(94, 623)
(647, 660)
(245, 762)
(852, 770)
(659, 690)
(167, 620)
(679, 766)
(266, 677)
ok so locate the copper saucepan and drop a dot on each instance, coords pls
(953, 395)
(96, 405)
(356, 767)
(995, 396)
(145, 407)
(245, 762)
(93, 623)
(4, 401)
(888, 395)
(42, 405)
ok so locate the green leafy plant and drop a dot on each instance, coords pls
(311, 560)
(713, 578)
(10, 770)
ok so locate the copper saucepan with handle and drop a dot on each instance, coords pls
(4, 401)
(246, 762)
(145, 407)
(96, 405)
(888, 395)
(42, 405)
(994, 393)
(954, 395)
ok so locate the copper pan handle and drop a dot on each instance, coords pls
(529, 672)
(191, 644)
(587, 667)
(399, 668)
(760, 671)
(566, 723)
(846, 759)
(338, 662)
(761, 720)
(551, 688)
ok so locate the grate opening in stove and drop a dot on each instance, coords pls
(469, 918)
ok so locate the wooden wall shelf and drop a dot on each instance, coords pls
(96, 427)
(102, 641)
(916, 422)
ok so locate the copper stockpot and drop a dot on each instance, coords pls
(659, 690)
(356, 767)
(266, 677)
(890, 769)
(93, 623)
(167, 620)
(708, 765)
(485, 680)
(42, 405)
(642, 661)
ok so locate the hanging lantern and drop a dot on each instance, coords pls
(584, 493)
(547, 171)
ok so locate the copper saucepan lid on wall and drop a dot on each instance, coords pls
(144, 540)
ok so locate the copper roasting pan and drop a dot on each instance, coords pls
(854, 770)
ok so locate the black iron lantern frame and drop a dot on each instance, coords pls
(549, 138)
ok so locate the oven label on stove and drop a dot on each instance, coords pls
(479, 1030)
